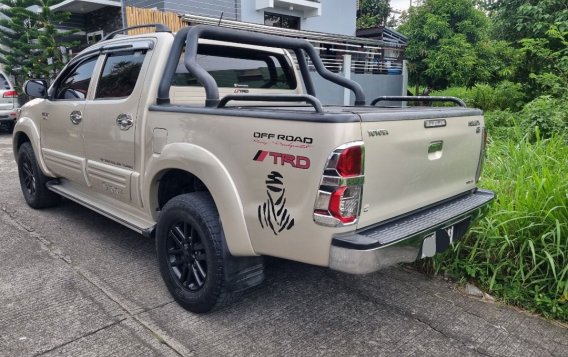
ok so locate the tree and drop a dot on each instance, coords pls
(539, 29)
(373, 13)
(32, 45)
(449, 45)
(16, 36)
(53, 56)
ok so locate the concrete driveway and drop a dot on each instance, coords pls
(74, 283)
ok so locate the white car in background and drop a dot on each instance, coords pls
(8, 103)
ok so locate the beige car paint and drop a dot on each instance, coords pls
(401, 176)
(219, 150)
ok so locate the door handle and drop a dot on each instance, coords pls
(124, 121)
(76, 116)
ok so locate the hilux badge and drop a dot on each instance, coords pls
(435, 123)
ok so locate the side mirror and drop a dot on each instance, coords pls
(36, 88)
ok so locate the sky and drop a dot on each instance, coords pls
(400, 4)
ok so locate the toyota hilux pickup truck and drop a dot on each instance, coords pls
(213, 141)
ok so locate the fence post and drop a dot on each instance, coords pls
(405, 81)
(347, 74)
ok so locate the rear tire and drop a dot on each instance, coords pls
(190, 249)
(33, 181)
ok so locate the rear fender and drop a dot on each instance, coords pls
(207, 168)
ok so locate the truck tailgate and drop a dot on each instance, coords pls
(416, 160)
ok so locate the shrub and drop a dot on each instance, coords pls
(547, 114)
(519, 251)
(501, 123)
(505, 95)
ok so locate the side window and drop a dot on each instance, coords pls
(4, 84)
(75, 84)
(237, 68)
(119, 75)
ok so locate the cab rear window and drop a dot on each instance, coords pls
(239, 68)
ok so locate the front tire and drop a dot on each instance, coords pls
(33, 181)
(189, 244)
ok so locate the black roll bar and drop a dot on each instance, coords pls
(273, 98)
(419, 98)
(190, 37)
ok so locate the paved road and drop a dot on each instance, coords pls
(75, 283)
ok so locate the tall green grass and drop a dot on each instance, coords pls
(519, 251)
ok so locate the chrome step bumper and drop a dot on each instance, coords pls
(401, 240)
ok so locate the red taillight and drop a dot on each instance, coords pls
(10, 94)
(344, 203)
(339, 196)
(350, 162)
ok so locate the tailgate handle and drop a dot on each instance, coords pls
(435, 146)
(435, 150)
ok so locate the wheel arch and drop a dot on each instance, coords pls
(26, 130)
(194, 161)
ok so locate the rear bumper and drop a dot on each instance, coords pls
(402, 240)
(5, 117)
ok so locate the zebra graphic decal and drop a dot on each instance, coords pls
(273, 213)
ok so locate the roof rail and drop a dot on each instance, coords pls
(159, 28)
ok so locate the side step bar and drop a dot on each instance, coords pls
(147, 229)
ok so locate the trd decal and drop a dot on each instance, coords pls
(298, 162)
(273, 213)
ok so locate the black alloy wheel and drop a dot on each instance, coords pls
(190, 249)
(33, 181)
(187, 256)
(28, 176)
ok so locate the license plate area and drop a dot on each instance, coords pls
(440, 240)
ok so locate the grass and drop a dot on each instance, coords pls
(519, 251)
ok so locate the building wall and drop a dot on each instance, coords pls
(337, 16)
(374, 85)
(211, 8)
(107, 19)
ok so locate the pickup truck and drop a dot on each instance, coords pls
(213, 141)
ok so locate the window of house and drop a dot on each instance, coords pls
(239, 68)
(75, 84)
(95, 36)
(120, 74)
(279, 20)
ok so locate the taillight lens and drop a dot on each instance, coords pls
(339, 196)
(10, 94)
(350, 162)
(344, 203)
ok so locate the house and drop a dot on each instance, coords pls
(330, 25)
(95, 18)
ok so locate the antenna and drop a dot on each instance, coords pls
(220, 18)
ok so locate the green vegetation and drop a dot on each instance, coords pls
(519, 252)
(32, 46)
(372, 13)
